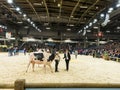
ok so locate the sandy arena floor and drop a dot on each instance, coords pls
(85, 69)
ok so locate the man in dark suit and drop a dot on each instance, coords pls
(67, 58)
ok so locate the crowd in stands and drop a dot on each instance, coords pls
(106, 51)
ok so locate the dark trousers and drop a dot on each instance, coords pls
(67, 64)
(56, 65)
(24, 53)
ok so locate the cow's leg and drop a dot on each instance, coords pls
(45, 68)
(38, 65)
(28, 66)
(33, 65)
(50, 67)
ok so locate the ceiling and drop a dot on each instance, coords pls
(63, 17)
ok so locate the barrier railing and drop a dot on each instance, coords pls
(21, 85)
(6, 86)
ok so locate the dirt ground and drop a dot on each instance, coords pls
(84, 69)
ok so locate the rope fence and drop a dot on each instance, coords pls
(21, 85)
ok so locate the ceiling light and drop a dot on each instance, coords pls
(71, 25)
(46, 24)
(83, 6)
(37, 4)
(90, 24)
(110, 10)
(88, 30)
(80, 31)
(20, 12)
(108, 31)
(39, 30)
(26, 27)
(86, 26)
(36, 27)
(118, 27)
(31, 22)
(54, 0)
(28, 20)
(95, 27)
(102, 42)
(24, 15)
(96, 7)
(17, 9)
(47, 28)
(84, 32)
(95, 20)
(19, 22)
(68, 29)
(10, 1)
(33, 25)
(102, 15)
(118, 5)
(59, 5)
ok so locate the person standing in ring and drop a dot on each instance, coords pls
(57, 60)
(67, 58)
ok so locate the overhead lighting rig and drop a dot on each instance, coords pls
(101, 16)
(23, 14)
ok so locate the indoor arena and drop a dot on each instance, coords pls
(72, 42)
(84, 69)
